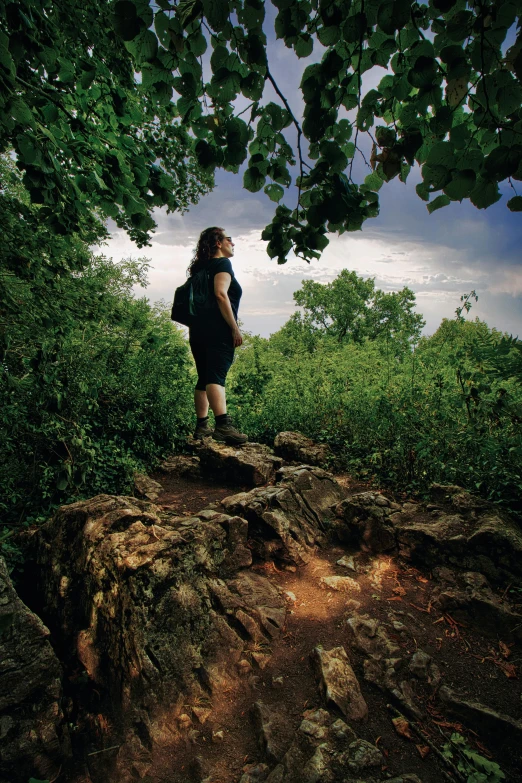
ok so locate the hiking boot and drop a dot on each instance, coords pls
(203, 430)
(225, 432)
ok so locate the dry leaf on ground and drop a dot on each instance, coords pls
(402, 727)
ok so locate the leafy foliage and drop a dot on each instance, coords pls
(94, 383)
(470, 763)
(90, 141)
(94, 140)
(447, 408)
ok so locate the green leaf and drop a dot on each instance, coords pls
(161, 25)
(304, 45)
(198, 44)
(392, 15)
(216, 12)
(274, 192)
(336, 158)
(252, 86)
(442, 154)
(437, 203)
(485, 193)
(21, 112)
(373, 181)
(147, 46)
(515, 204)
(28, 149)
(329, 36)
(461, 185)
(253, 179)
(126, 22)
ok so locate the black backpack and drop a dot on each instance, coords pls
(193, 298)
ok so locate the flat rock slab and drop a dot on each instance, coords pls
(295, 447)
(341, 584)
(252, 464)
(338, 683)
(287, 520)
(35, 741)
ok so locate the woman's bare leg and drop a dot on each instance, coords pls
(217, 399)
(201, 403)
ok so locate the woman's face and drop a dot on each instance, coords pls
(226, 246)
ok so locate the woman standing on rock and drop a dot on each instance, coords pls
(215, 335)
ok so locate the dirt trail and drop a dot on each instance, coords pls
(484, 669)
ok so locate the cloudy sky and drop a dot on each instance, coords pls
(439, 256)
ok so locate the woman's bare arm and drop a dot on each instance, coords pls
(221, 285)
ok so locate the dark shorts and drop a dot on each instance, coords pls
(213, 361)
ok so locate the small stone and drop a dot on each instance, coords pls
(278, 682)
(380, 500)
(399, 627)
(291, 568)
(363, 755)
(340, 583)
(342, 732)
(244, 667)
(261, 659)
(202, 714)
(290, 595)
(218, 736)
(347, 562)
(184, 720)
(194, 735)
(419, 664)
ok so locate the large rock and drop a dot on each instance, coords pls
(252, 464)
(295, 447)
(152, 608)
(488, 722)
(485, 542)
(288, 519)
(469, 596)
(384, 664)
(364, 519)
(338, 683)
(34, 737)
(268, 725)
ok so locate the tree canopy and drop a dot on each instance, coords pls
(115, 108)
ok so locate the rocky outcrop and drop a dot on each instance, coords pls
(287, 520)
(468, 596)
(482, 541)
(489, 722)
(33, 734)
(252, 464)
(295, 447)
(386, 666)
(187, 465)
(364, 519)
(154, 609)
